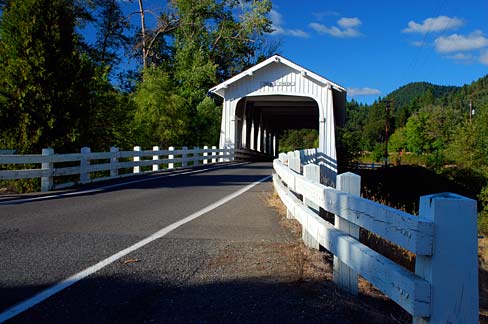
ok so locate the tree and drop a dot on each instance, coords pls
(43, 80)
(161, 117)
(209, 42)
(111, 26)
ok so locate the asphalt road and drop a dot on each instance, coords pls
(43, 242)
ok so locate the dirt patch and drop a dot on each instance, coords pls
(306, 271)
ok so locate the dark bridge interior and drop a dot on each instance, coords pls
(285, 112)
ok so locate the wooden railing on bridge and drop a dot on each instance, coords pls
(444, 286)
(105, 165)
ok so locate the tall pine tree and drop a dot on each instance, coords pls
(43, 79)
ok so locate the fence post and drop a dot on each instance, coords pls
(184, 156)
(345, 277)
(155, 167)
(84, 164)
(114, 160)
(214, 160)
(221, 154)
(294, 165)
(452, 270)
(312, 173)
(283, 158)
(136, 169)
(196, 155)
(205, 153)
(47, 183)
(171, 165)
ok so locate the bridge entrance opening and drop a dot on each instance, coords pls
(276, 95)
(261, 120)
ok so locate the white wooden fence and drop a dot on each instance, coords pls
(106, 161)
(444, 286)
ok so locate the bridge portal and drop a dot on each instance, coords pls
(276, 95)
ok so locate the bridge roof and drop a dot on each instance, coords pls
(219, 89)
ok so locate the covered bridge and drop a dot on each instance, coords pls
(276, 95)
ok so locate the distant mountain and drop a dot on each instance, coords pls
(404, 95)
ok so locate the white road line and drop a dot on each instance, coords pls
(45, 294)
(100, 189)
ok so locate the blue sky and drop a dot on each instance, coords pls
(374, 47)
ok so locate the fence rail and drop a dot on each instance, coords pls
(444, 286)
(89, 162)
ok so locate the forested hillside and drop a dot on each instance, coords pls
(404, 95)
(429, 124)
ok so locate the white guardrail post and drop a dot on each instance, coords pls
(293, 164)
(47, 183)
(312, 173)
(196, 155)
(184, 157)
(155, 167)
(114, 169)
(345, 277)
(137, 168)
(452, 270)
(84, 164)
(171, 165)
(205, 153)
(214, 160)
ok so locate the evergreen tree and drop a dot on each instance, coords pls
(43, 80)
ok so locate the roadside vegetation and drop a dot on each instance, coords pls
(435, 143)
(86, 73)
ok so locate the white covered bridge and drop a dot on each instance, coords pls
(276, 95)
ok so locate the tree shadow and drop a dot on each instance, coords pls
(127, 299)
(179, 178)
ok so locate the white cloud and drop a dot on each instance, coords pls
(457, 43)
(461, 57)
(278, 22)
(349, 22)
(484, 57)
(431, 25)
(322, 14)
(419, 43)
(362, 92)
(347, 28)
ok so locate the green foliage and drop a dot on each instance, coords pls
(398, 140)
(348, 146)
(483, 215)
(161, 117)
(378, 153)
(42, 78)
(427, 92)
(292, 140)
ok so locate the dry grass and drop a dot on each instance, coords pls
(311, 265)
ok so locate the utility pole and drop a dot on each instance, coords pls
(470, 110)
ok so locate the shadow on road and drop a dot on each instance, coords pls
(124, 300)
(176, 179)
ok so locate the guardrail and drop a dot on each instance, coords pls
(444, 286)
(106, 161)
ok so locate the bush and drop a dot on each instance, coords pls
(378, 153)
(483, 215)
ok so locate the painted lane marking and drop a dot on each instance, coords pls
(101, 189)
(45, 294)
